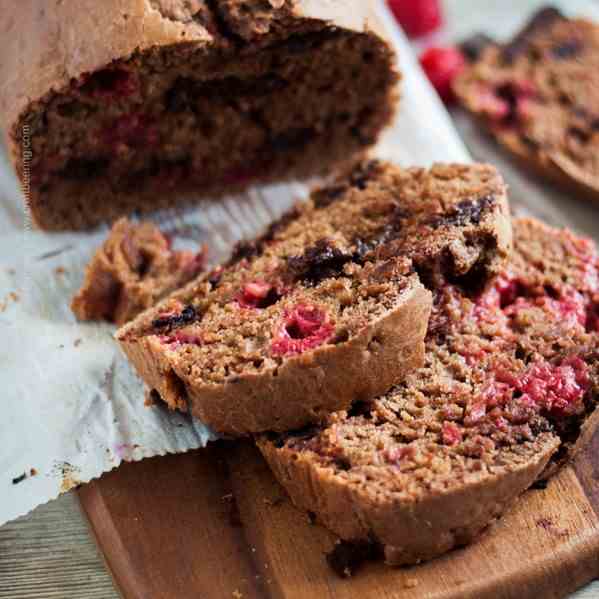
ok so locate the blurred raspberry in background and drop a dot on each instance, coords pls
(441, 66)
(417, 17)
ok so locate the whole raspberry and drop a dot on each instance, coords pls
(441, 66)
(417, 17)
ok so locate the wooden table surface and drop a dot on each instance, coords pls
(50, 553)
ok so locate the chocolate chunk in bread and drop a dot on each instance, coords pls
(508, 392)
(132, 106)
(538, 95)
(133, 269)
(328, 307)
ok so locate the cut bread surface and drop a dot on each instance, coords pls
(508, 389)
(330, 305)
(538, 94)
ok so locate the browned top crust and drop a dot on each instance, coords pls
(538, 94)
(315, 289)
(510, 375)
(46, 45)
(131, 271)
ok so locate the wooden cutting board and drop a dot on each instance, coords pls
(215, 524)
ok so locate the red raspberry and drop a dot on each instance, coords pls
(305, 327)
(451, 433)
(260, 294)
(133, 129)
(558, 389)
(441, 66)
(417, 17)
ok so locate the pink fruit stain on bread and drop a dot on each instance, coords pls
(304, 327)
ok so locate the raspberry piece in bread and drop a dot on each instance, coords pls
(507, 393)
(328, 306)
(131, 271)
(127, 105)
(538, 95)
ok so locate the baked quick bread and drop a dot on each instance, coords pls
(509, 388)
(131, 271)
(133, 105)
(329, 306)
(538, 95)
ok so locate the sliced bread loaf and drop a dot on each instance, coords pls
(508, 391)
(126, 105)
(328, 307)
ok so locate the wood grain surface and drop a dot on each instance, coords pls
(50, 554)
(214, 523)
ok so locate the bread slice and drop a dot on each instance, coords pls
(329, 306)
(122, 105)
(133, 269)
(507, 392)
(538, 96)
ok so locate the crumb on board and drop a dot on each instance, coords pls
(32, 472)
(60, 270)
(77, 342)
(410, 583)
(12, 296)
(69, 475)
(237, 594)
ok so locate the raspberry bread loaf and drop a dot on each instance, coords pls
(134, 268)
(129, 105)
(539, 96)
(508, 389)
(329, 306)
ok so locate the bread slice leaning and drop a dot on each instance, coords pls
(508, 393)
(330, 306)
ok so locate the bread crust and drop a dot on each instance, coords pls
(410, 531)
(306, 387)
(45, 46)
